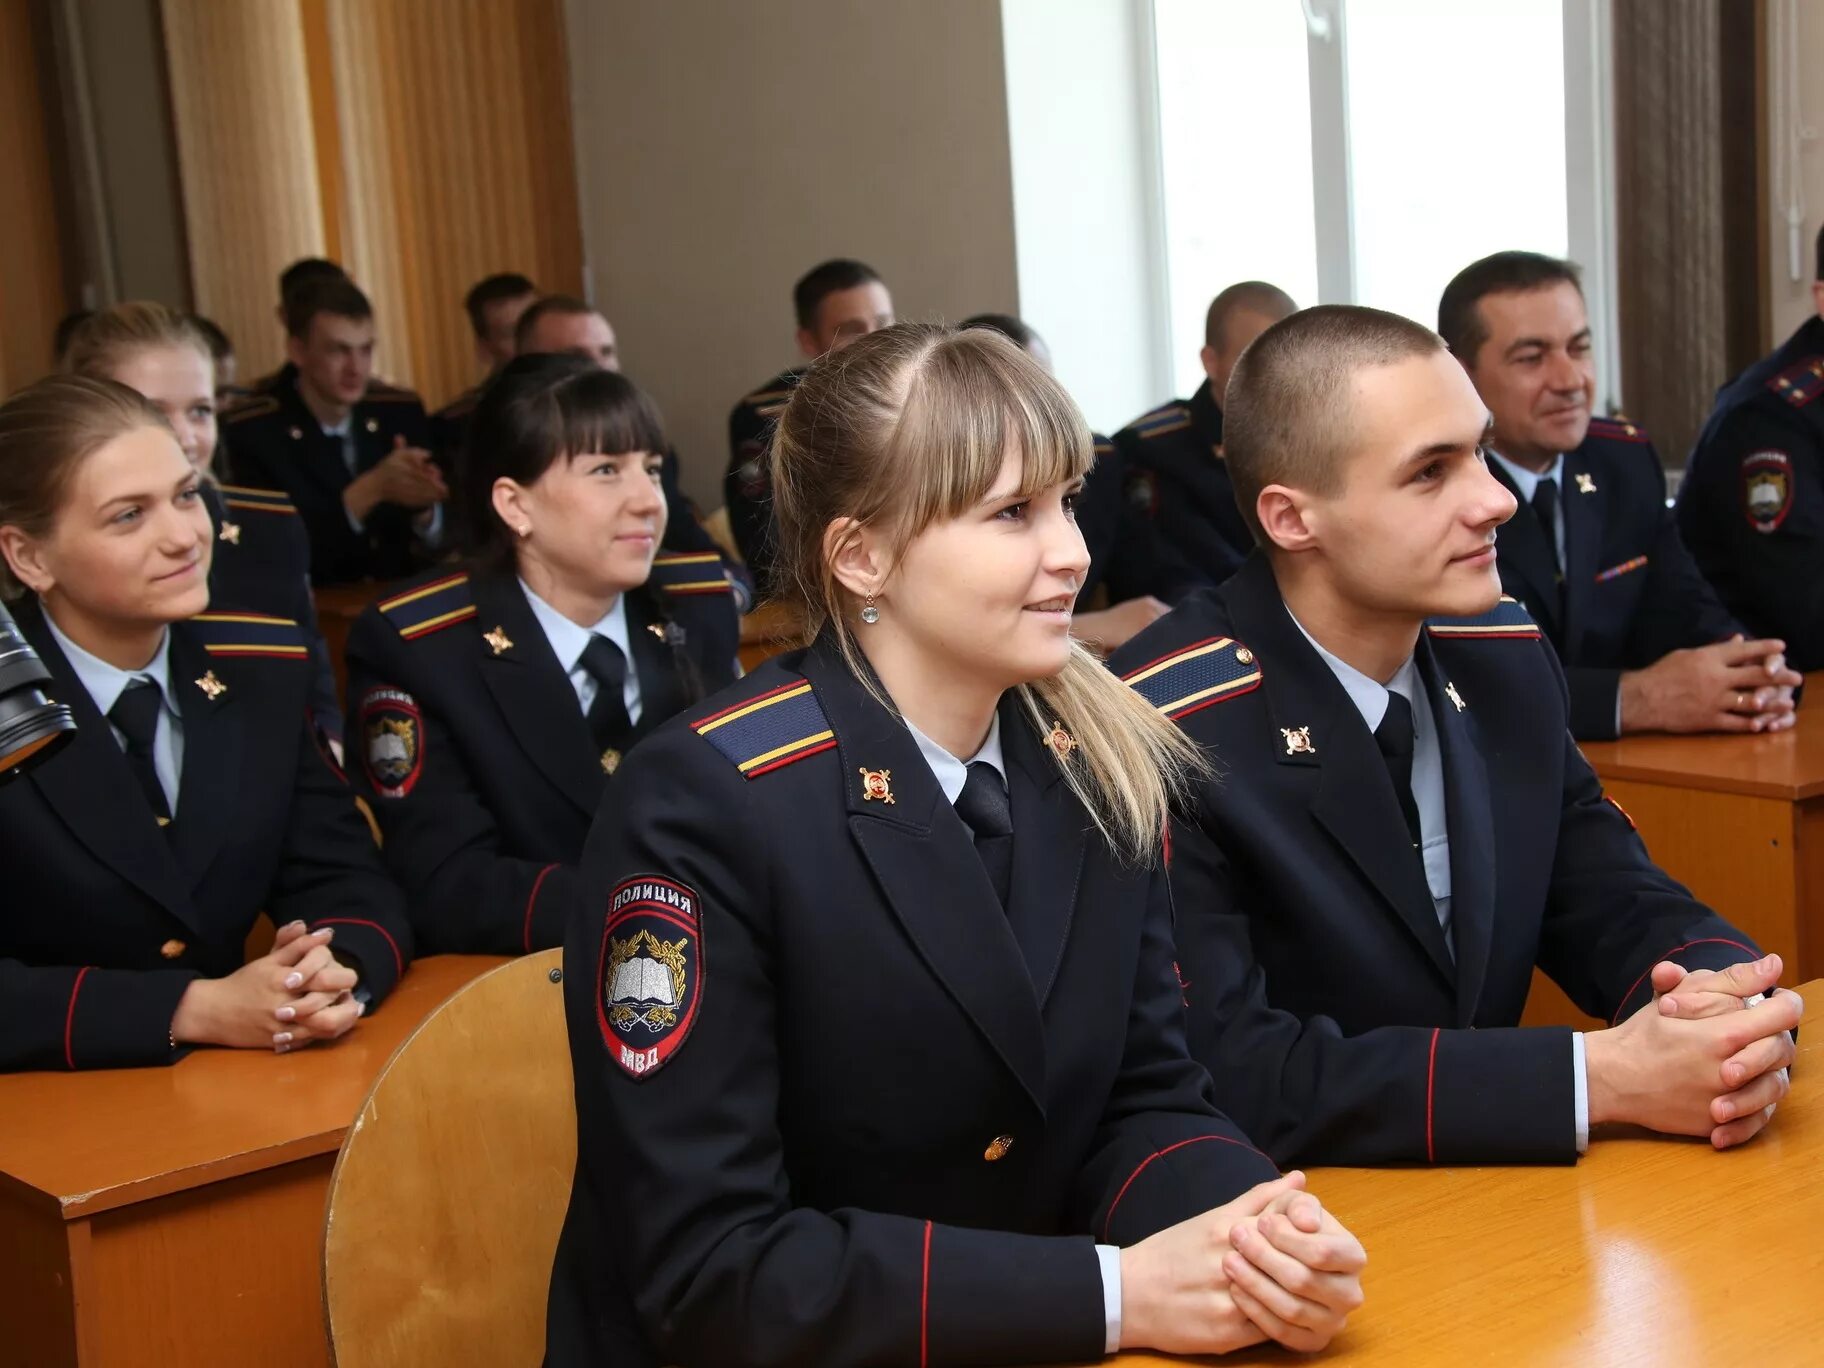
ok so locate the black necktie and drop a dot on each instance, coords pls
(1394, 737)
(1545, 508)
(135, 716)
(609, 723)
(984, 806)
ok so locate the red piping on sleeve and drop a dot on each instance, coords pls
(1431, 1080)
(924, 1306)
(537, 884)
(1706, 940)
(1108, 1221)
(69, 1017)
(398, 959)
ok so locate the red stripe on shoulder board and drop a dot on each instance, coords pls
(1108, 1221)
(745, 703)
(791, 759)
(924, 1306)
(69, 1017)
(1174, 652)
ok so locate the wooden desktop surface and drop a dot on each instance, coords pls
(1648, 1251)
(174, 1215)
(1787, 765)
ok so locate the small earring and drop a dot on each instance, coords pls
(523, 531)
(869, 613)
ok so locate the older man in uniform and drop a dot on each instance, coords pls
(352, 452)
(1399, 827)
(836, 303)
(1175, 469)
(1593, 552)
(1752, 502)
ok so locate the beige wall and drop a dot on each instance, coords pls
(724, 149)
(1790, 300)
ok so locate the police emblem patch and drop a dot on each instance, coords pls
(392, 741)
(649, 985)
(1766, 489)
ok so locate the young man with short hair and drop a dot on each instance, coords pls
(835, 303)
(1593, 552)
(1398, 826)
(352, 452)
(494, 305)
(1174, 453)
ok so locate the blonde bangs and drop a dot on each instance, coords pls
(974, 397)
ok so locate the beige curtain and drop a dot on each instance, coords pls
(31, 259)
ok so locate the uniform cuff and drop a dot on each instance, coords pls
(1110, 1259)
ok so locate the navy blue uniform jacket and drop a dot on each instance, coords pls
(478, 762)
(1632, 593)
(1337, 1023)
(834, 1105)
(107, 918)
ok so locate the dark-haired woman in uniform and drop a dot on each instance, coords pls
(877, 1043)
(490, 702)
(261, 559)
(195, 794)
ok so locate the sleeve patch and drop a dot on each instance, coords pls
(1766, 489)
(650, 978)
(392, 741)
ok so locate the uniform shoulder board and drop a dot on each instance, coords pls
(379, 392)
(1618, 429)
(257, 407)
(430, 607)
(1172, 417)
(1196, 676)
(1799, 385)
(692, 572)
(769, 730)
(250, 634)
(258, 500)
(1507, 620)
(1101, 445)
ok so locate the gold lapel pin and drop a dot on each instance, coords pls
(1298, 741)
(297, 434)
(611, 760)
(212, 687)
(373, 425)
(1062, 743)
(231, 533)
(1450, 692)
(1586, 483)
(498, 641)
(876, 786)
(657, 629)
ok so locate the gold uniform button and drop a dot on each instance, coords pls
(172, 949)
(997, 1147)
(1245, 656)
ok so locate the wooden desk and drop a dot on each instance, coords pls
(1739, 820)
(768, 630)
(338, 606)
(176, 1215)
(1649, 1251)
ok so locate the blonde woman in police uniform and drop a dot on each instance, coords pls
(876, 1037)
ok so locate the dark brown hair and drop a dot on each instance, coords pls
(1287, 417)
(1459, 308)
(541, 409)
(341, 297)
(494, 289)
(47, 430)
(551, 306)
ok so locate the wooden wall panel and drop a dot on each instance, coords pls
(31, 259)
(241, 105)
(456, 162)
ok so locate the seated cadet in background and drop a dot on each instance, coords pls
(1174, 453)
(1141, 575)
(348, 449)
(916, 957)
(65, 330)
(222, 363)
(835, 303)
(494, 306)
(300, 275)
(493, 701)
(261, 559)
(563, 323)
(1752, 502)
(194, 795)
(1593, 552)
(1403, 827)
